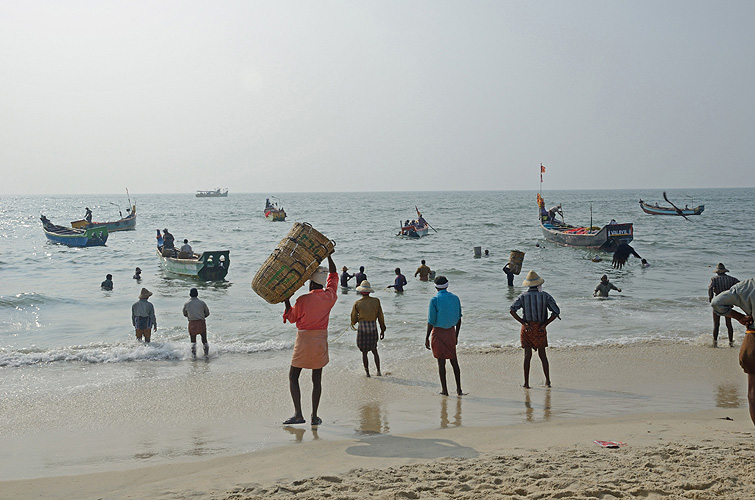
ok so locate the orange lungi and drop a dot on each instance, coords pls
(310, 349)
(533, 335)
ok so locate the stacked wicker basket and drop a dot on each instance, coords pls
(515, 261)
(292, 263)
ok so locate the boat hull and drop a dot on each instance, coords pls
(212, 194)
(607, 238)
(125, 224)
(207, 266)
(414, 232)
(653, 210)
(92, 237)
(275, 215)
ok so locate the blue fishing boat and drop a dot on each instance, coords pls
(74, 237)
(658, 210)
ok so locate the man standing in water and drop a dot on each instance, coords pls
(143, 316)
(535, 305)
(444, 323)
(718, 284)
(311, 313)
(604, 287)
(400, 282)
(423, 271)
(742, 295)
(196, 311)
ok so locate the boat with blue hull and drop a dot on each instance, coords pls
(607, 238)
(658, 210)
(127, 223)
(91, 237)
(207, 266)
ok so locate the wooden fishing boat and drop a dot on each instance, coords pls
(127, 223)
(91, 237)
(214, 193)
(273, 212)
(207, 266)
(415, 230)
(607, 238)
(658, 210)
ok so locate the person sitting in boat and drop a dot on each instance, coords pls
(45, 222)
(421, 222)
(88, 215)
(169, 246)
(613, 222)
(185, 252)
(159, 241)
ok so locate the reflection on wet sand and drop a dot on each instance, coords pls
(372, 420)
(444, 423)
(530, 411)
(727, 396)
(298, 433)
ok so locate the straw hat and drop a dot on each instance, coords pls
(720, 268)
(344, 268)
(532, 279)
(145, 294)
(364, 287)
(320, 276)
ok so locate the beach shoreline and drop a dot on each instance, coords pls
(220, 421)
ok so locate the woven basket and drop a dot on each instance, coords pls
(296, 258)
(515, 261)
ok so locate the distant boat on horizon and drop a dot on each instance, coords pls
(215, 193)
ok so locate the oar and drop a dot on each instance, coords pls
(675, 207)
(431, 227)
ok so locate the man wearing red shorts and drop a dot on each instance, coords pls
(444, 323)
(535, 305)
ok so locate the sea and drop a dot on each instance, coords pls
(57, 325)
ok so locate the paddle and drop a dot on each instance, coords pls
(420, 215)
(675, 207)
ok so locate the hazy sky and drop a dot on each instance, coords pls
(277, 96)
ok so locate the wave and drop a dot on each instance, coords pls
(31, 299)
(128, 352)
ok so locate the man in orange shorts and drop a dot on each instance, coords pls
(742, 295)
(535, 305)
(311, 313)
(444, 323)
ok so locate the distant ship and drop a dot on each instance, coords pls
(215, 193)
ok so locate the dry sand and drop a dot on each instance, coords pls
(680, 409)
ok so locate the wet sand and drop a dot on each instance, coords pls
(217, 433)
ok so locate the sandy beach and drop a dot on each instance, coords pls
(681, 410)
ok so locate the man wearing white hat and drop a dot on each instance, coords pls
(367, 313)
(143, 316)
(535, 305)
(311, 313)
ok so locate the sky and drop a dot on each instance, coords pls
(274, 96)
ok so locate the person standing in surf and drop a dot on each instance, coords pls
(367, 313)
(196, 311)
(535, 304)
(719, 284)
(143, 316)
(311, 313)
(444, 324)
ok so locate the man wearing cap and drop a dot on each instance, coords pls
(345, 277)
(718, 284)
(367, 312)
(742, 295)
(196, 311)
(143, 316)
(311, 313)
(535, 304)
(444, 324)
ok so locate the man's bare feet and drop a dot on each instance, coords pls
(379, 374)
(525, 386)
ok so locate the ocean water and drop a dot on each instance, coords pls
(64, 342)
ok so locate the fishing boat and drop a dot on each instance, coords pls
(658, 210)
(273, 212)
(607, 238)
(96, 236)
(214, 193)
(207, 266)
(127, 223)
(415, 228)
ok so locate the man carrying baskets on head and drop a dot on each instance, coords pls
(311, 313)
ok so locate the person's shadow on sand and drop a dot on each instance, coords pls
(385, 446)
